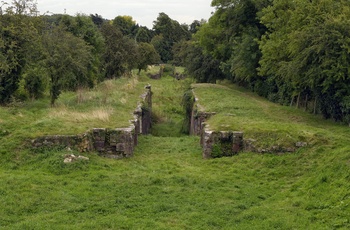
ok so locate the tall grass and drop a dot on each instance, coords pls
(109, 105)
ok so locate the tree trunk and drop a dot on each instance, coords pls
(315, 105)
(292, 101)
(306, 101)
(298, 100)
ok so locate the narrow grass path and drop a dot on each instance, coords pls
(168, 113)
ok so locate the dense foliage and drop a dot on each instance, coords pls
(48, 54)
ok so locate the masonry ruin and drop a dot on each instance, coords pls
(214, 143)
(225, 143)
(109, 142)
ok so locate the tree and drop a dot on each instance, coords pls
(201, 66)
(162, 48)
(307, 52)
(34, 82)
(143, 34)
(125, 24)
(67, 60)
(98, 20)
(120, 52)
(168, 32)
(231, 36)
(147, 55)
(16, 33)
(195, 25)
(82, 26)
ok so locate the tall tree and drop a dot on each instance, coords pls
(200, 65)
(143, 34)
(68, 57)
(231, 36)
(147, 55)
(82, 26)
(16, 33)
(126, 25)
(120, 52)
(307, 51)
(168, 32)
(98, 20)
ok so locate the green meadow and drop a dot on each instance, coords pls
(167, 184)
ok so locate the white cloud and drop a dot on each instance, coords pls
(144, 12)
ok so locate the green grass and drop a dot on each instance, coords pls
(167, 106)
(268, 123)
(109, 105)
(167, 184)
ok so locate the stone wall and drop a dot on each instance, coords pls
(113, 143)
(214, 143)
(226, 143)
(221, 143)
(198, 117)
(81, 142)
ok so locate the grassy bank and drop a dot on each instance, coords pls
(109, 105)
(268, 123)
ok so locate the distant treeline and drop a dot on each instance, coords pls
(291, 52)
(47, 54)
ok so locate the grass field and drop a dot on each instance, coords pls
(167, 184)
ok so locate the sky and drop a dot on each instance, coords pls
(144, 12)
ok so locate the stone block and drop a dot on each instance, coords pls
(221, 143)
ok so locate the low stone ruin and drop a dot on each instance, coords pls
(155, 76)
(113, 143)
(214, 143)
(158, 75)
(226, 143)
(221, 143)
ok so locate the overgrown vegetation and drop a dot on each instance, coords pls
(50, 54)
(168, 185)
(291, 52)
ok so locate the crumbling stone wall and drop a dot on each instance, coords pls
(214, 143)
(81, 142)
(226, 143)
(113, 143)
(198, 117)
(146, 109)
(221, 143)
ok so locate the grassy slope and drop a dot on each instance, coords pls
(268, 123)
(167, 185)
(110, 104)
